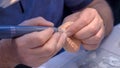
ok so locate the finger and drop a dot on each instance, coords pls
(95, 39)
(48, 48)
(34, 39)
(38, 21)
(91, 46)
(61, 42)
(89, 30)
(71, 18)
(64, 26)
(85, 18)
(51, 46)
(72, 44)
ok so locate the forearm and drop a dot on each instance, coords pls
(8, 58)
(105, 12)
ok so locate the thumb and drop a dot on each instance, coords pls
(38, 21)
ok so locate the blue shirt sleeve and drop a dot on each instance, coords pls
(75, 5)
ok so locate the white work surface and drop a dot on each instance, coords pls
(107, 56)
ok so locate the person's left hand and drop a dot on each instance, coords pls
(87, 26)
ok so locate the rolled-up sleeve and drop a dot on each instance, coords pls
(75, 5)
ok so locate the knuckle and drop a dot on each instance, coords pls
(93, 29)
(93, 10)
(40, 18)
(98, 38)
(50, 50)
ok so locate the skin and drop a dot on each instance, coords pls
(72, 44)
(35, 48)
(89, 27)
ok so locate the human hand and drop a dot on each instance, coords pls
(71, 44)
(87, 26)
(38, 47)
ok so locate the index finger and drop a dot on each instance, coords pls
(84, 19)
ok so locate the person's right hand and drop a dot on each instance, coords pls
(38, 47)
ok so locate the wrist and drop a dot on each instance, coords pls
(8, 54)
